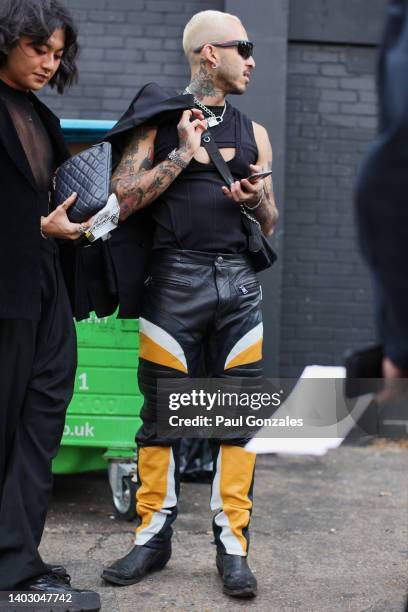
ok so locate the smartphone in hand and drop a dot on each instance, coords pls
(253, 178)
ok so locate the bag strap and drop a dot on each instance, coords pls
(251, 225)
(219, 162)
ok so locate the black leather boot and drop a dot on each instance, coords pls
(136, 564)
(86, 601)
(237, 577)
(60, 571)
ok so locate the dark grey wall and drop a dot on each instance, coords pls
(343, 21)
(125, 44)
(330, 121)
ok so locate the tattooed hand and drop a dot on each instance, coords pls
(190, 127)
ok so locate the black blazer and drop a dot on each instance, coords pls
(20, 216)
(382, 190)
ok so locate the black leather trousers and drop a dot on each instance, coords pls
(198, 307)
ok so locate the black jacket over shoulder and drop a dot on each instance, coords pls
(20, 208)
(382, 190)
(131, 243)
(110, 274)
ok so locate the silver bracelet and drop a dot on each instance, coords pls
(176, 159)
(42, 234)
(258, 202)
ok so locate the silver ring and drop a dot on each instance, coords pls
(82, 229)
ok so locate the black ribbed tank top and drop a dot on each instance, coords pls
(193, 212)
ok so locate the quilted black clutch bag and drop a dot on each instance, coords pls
(89, 175)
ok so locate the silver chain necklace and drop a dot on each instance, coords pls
(213, 118)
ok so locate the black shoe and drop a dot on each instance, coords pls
(136, 564)
(60, 571)
(238, 579)
(84, 601)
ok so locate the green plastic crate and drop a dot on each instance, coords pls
(103, 416)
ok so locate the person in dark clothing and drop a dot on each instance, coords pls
(381, 201)
(380, 195)
(201, 292)
(37, 336)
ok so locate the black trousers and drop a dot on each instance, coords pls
(196, 305)
(38, 361)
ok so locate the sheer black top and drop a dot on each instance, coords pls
(33, 136)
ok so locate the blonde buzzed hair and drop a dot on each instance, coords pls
(204, 27)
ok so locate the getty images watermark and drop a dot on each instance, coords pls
(218, 400)
(241, 408)
(220, 408)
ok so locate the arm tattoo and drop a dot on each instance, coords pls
(267, 206)
(269, 181)
(129, 162)
(137, 191)
(147, 163)
(135, 181)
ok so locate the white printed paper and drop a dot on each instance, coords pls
(105, 220)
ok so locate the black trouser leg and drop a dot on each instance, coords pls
(36, 419)
(17, 346)
(232, 497)
(235, 353)
(171, 329)
(158, 490)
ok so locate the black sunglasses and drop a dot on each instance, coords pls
(244, 47)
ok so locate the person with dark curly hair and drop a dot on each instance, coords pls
(38, 46)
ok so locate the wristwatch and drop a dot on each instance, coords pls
(176, 159)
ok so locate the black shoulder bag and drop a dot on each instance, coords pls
(89, 174)
(260, 252)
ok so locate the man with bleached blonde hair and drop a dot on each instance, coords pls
(202, 296)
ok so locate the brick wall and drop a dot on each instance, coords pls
(326, 298)
(125, 44)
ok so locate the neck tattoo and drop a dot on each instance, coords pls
(202, 84)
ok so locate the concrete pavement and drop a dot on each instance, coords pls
(328, 534)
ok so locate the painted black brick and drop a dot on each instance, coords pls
(326, 296)
(124, 44)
